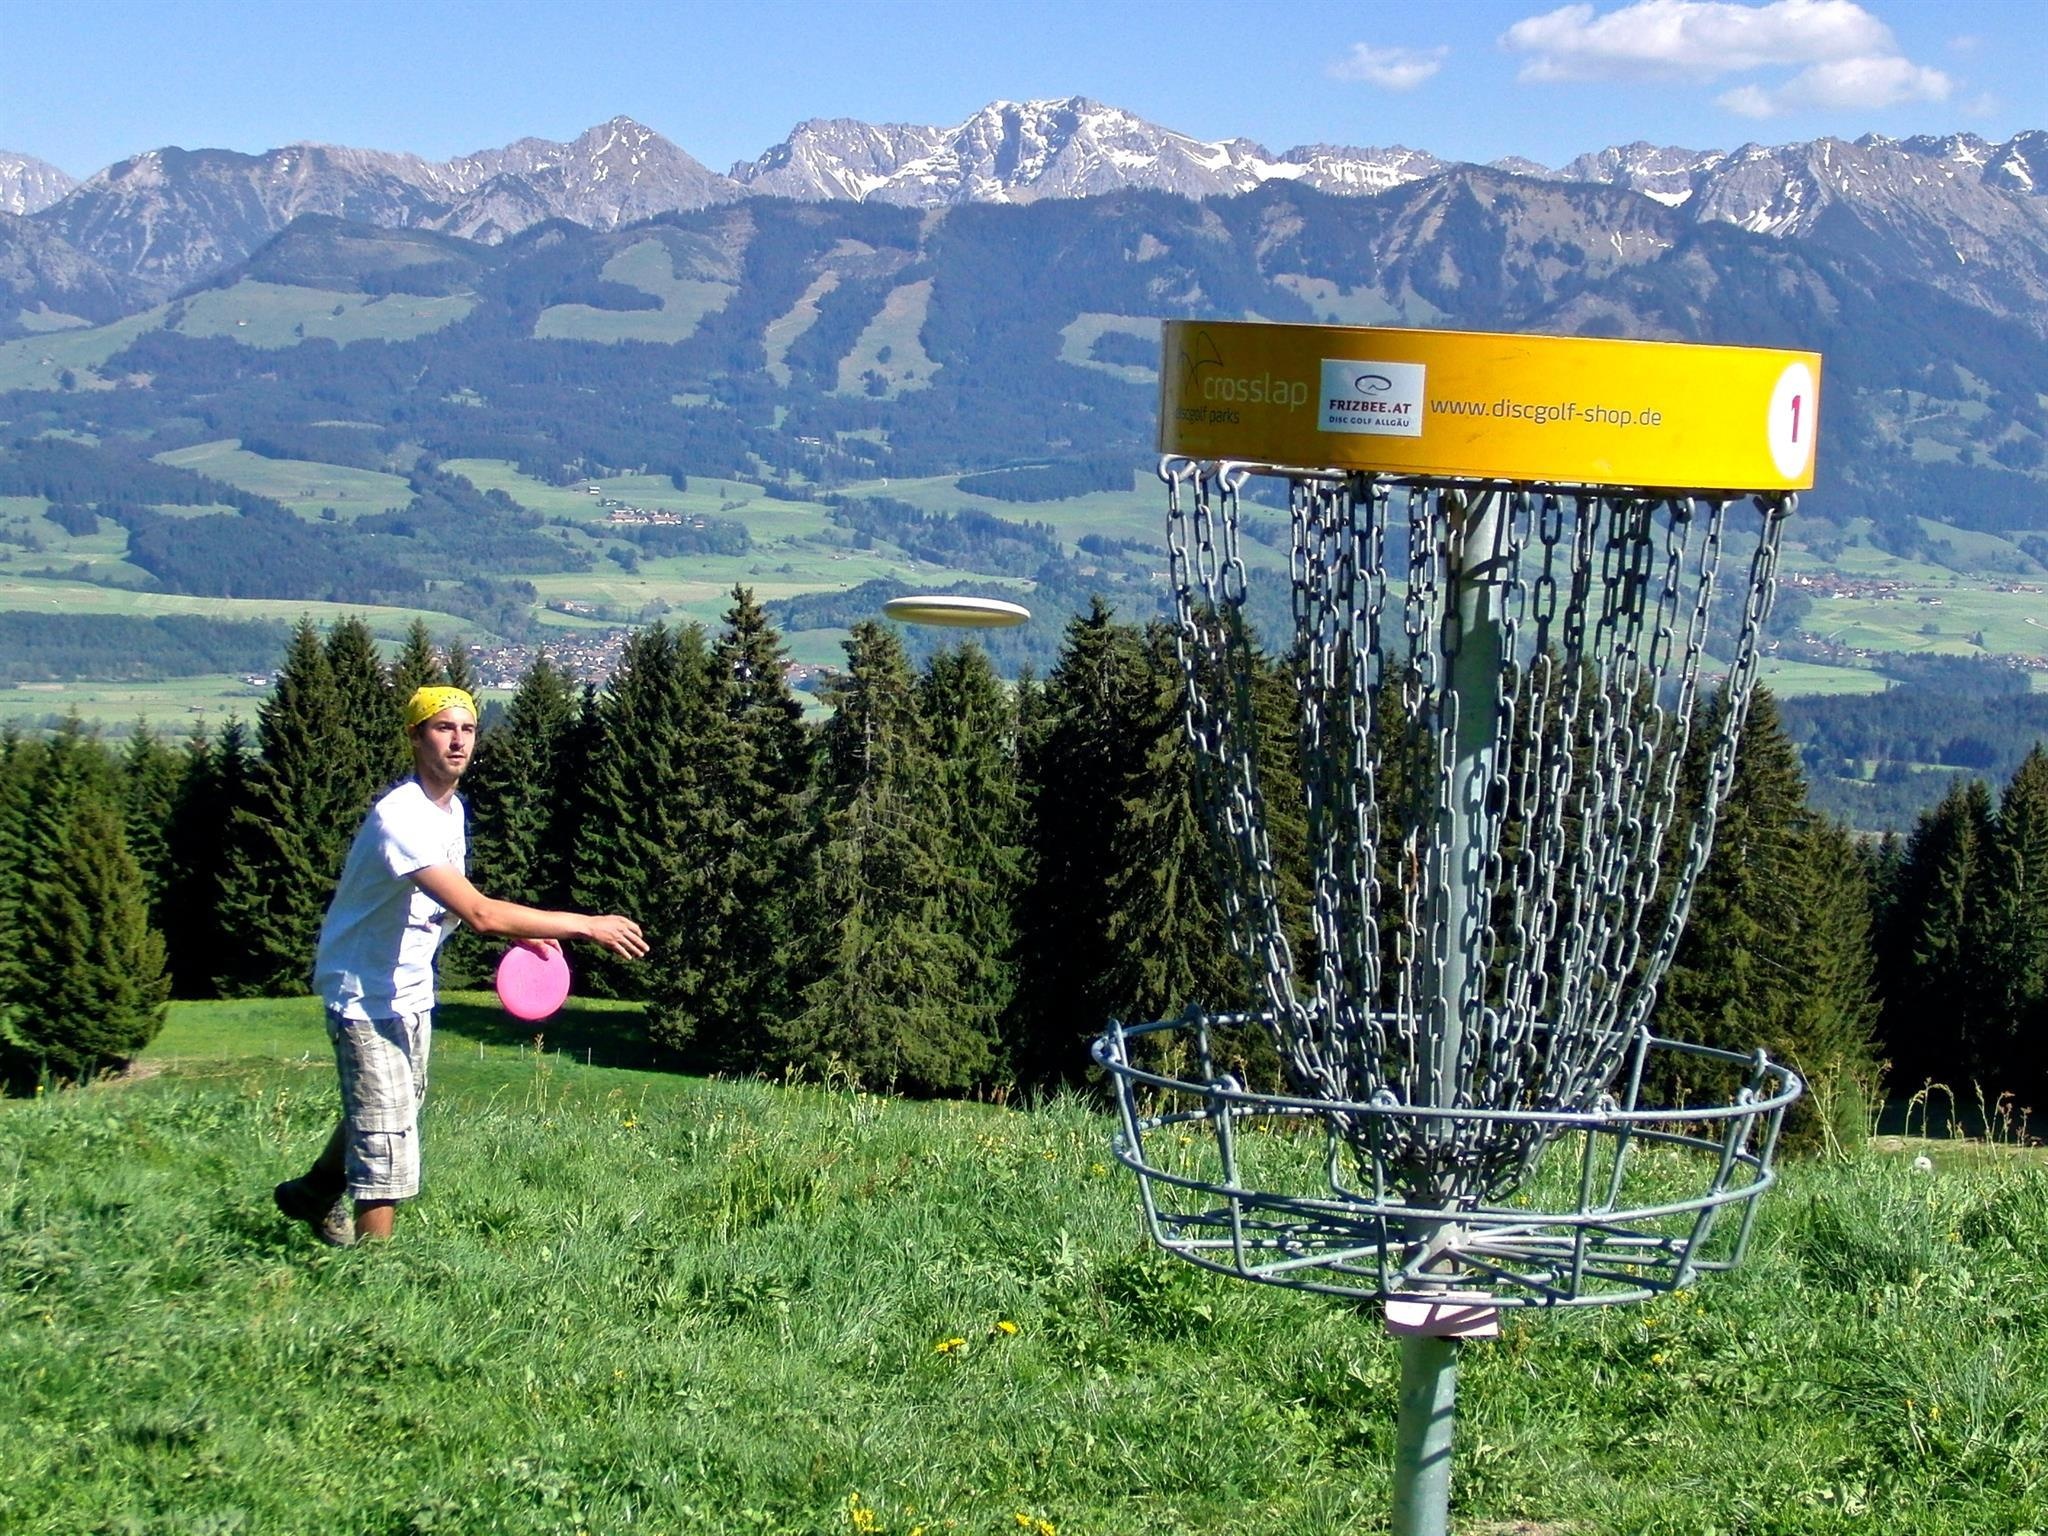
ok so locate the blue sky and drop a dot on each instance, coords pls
(86, 82)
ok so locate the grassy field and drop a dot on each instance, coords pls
(305, 487)
(86, 597)
(171, 707)
(891, 346)
(175, 705)
(633, 1301)
(767, 518)
(271, 315)
(41, 362)
(783, 331)
(1079, 335)
(253, 313)
(685, 302)
(1793, 679)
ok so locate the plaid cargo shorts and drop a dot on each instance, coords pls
(383, 1064)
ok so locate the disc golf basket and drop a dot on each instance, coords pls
(1526, 579)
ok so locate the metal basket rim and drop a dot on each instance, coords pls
(1108, 1053)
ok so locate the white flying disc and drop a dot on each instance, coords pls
(956, 612)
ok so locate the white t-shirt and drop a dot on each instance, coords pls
(376, 955)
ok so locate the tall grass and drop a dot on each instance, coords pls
(634, 1302)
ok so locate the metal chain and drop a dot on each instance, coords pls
(1491, 904)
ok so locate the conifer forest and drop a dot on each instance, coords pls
(943, 889)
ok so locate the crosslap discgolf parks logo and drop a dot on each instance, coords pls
(1206, 377)
(1381, 399)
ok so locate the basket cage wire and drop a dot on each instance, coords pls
(1515, 712)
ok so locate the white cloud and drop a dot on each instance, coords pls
(1392, 69)
(1693, 39)
(1868, 83)
(1843, 56)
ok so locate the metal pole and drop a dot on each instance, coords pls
(1422, 1436)
(1473, 691)
(1429, 1363)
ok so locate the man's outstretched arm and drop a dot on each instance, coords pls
(509, 920)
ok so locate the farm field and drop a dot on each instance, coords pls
(170, 708)
(305, 487)
(42, 362)
(1951, 621)
(685, 302)
(259, 314)
(1793, 679)
(87, 597)
(634, 1301)
(768, 519)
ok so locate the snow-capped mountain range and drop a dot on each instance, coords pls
(27, 184)
(171, 217)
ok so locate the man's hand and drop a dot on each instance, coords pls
(620, 935)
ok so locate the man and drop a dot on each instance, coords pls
(402, 890)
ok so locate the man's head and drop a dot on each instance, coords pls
(442, 725)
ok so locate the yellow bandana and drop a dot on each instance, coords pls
(429, 702)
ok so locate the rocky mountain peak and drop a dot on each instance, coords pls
(28, 185)
(1665, 172)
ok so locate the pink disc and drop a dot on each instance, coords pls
(532, 984)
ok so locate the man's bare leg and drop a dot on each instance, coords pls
(373, 1220)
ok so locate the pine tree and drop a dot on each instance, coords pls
(1931, 949)
(84, 945)
(373, 751)
(457, 669)
(417, 665)
(1085, 752)
(519, 782)
(1773, 953)
(515, 795)
(150, 774)
(190, 911)
(887, 996)
(1168, 940)
(2016, 932)
(19, 761)
(1832, 1041)
(724, 980)
(642, 817)
(290, 829)
(969, 724)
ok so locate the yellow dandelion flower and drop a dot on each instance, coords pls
(950, 1347)
(1657, 1359)
(1035, 1526)
(1006, 1327)
(859, 1516)
(1097, 1170)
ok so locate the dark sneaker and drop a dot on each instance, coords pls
(328, 1216)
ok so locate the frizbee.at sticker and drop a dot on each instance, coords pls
(1385, 399)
